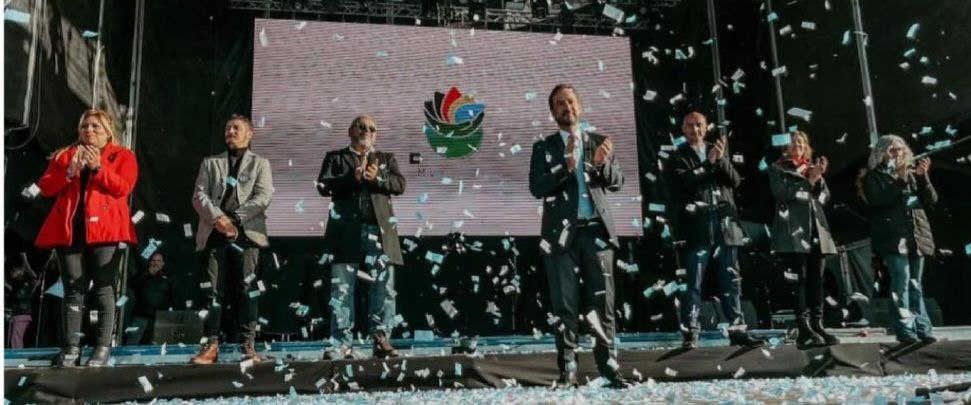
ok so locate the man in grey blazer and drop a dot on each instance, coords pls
(572, 170)
(361, 229)
(232, 191)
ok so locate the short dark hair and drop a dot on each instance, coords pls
(558, 88)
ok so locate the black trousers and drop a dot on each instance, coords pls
(594, 266)
(101, 263)
(809, 289)
(231, 271)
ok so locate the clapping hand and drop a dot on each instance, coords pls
(718, 151)
(817, 169)
(603, 152)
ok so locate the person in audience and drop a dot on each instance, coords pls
(152, 293)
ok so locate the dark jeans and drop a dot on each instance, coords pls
(228, 266)
(77, 264)
(381, 292)
(809, 290)
(729, 284)
(595, 266)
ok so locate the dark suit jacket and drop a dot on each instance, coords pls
(336, 180)
(803, 204)
(892, 219)
(698, 178)
(549, 180)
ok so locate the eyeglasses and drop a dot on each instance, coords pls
(366, 128)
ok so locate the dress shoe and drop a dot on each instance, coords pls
(690, 341)
(70, 356)
(744, 339)
(344, 352)
(907, 339)
(382, 346)
(100, 356)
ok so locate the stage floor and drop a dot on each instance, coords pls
(143, 372)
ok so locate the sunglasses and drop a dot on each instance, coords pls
(366, 128)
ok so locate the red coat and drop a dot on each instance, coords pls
(106, 213)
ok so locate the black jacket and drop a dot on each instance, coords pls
(799, 205)
(550, 180)
(700, 182)
(152, 293)
(336, 180)
(897, 212)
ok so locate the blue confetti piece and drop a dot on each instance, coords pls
(846, 37)
(231, 181)
(381, 54)
(772, 17)
(912, 31)
(530, 95)
(762, 165)
(654, 207)
(910, 53)
(678, 141)
(423, 198)
(780, 140)
(951, 130)
(967, 250)
(89, 34)
(666, 233)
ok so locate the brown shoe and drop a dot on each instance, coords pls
(248, 348)
(382, 346)
(343, 352)
(208, 354)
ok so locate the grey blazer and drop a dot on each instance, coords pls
(254, 190)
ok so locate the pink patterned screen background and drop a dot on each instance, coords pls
(310, 79)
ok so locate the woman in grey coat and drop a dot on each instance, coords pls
(800, 233)
(897, 189)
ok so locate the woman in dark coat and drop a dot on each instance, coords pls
(800, 233)
(897, 190)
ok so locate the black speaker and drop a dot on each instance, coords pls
(177, 327)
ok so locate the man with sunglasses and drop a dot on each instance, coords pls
(361, 228)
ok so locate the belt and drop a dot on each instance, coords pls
(587, 222)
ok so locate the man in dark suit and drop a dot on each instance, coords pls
(711, 227)
(572, 170)
(361, 227)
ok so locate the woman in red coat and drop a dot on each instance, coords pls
(89, 226)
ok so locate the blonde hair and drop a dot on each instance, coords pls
(808, 154)
(881, 150)
(106, 121)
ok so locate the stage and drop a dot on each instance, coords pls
(147, 372)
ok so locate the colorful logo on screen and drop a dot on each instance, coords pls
(453, 124)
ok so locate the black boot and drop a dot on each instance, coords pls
(806, 337)
(100, 356)
(690, 341)
(817, 326)
(70, 356)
